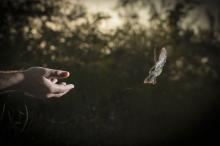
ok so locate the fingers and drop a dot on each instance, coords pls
(54, 80)
(62, 88)
(63, 83)
(57, 95)
(58, 74)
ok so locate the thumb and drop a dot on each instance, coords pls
(57, 74)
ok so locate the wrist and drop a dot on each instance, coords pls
(17, 79)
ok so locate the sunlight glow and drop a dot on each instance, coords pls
(115, 20)
(106, 7)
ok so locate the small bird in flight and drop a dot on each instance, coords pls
(157, 69)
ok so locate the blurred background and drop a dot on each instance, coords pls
(108, 48)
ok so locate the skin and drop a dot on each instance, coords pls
(36, 82)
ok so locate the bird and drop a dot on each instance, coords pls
(157, 69)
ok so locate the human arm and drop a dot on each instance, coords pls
(36, 81)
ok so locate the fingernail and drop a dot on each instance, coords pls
(65, 74)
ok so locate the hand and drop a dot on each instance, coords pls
(42, 82)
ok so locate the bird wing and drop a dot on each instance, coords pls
(156, 70)
(163, 54)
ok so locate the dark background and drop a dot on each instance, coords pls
(110, 105)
